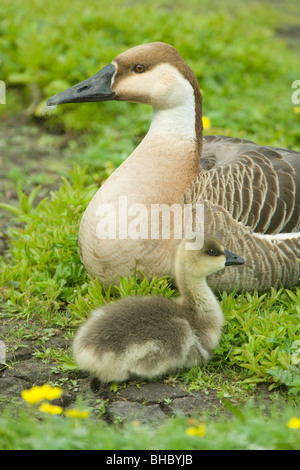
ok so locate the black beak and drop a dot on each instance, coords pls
(95, 88)
(232, 259)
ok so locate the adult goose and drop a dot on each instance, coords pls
(149, 336)
(253, 191)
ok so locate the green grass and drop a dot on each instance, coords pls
(42, 276)
(246, 430)
(245, 71)
(249, 429)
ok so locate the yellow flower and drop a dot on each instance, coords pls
(51, 409)
(293, 423)
(73, 413)
(296, 110)
(32, 396)
(51, 393)
(206, 123)
(199, 431)
(45, 392)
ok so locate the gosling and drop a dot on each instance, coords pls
(145, 337)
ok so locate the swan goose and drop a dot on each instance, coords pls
(253, 191)
(150, 336)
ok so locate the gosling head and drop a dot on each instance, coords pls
(212, 257)
(153, 74)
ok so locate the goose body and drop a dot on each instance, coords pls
(150, 336)
(257, 187)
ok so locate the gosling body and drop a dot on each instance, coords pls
(147, 337)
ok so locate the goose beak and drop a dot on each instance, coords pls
(95, 88)
(232, 259)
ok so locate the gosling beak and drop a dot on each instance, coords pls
(232, 259)
(95, 88)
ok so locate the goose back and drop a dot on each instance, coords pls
(259, 186)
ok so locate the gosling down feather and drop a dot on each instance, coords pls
(254, 189)
(151, 336)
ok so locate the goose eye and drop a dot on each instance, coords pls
(139, 68)
(213, 252)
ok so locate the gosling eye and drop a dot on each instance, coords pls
(139, 68)
(213, 252)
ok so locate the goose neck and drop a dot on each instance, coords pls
(181, 122)
(197, 294)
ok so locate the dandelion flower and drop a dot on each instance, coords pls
(198, 431)
(45, 392)
(32, 396)
(293, 423)
(51, 393)
(296, 109)
(51, 409)
(73, 413)
(206, 123)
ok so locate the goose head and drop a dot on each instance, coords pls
(193, 265)
(153, 74)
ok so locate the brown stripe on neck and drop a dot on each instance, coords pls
(190, 76)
